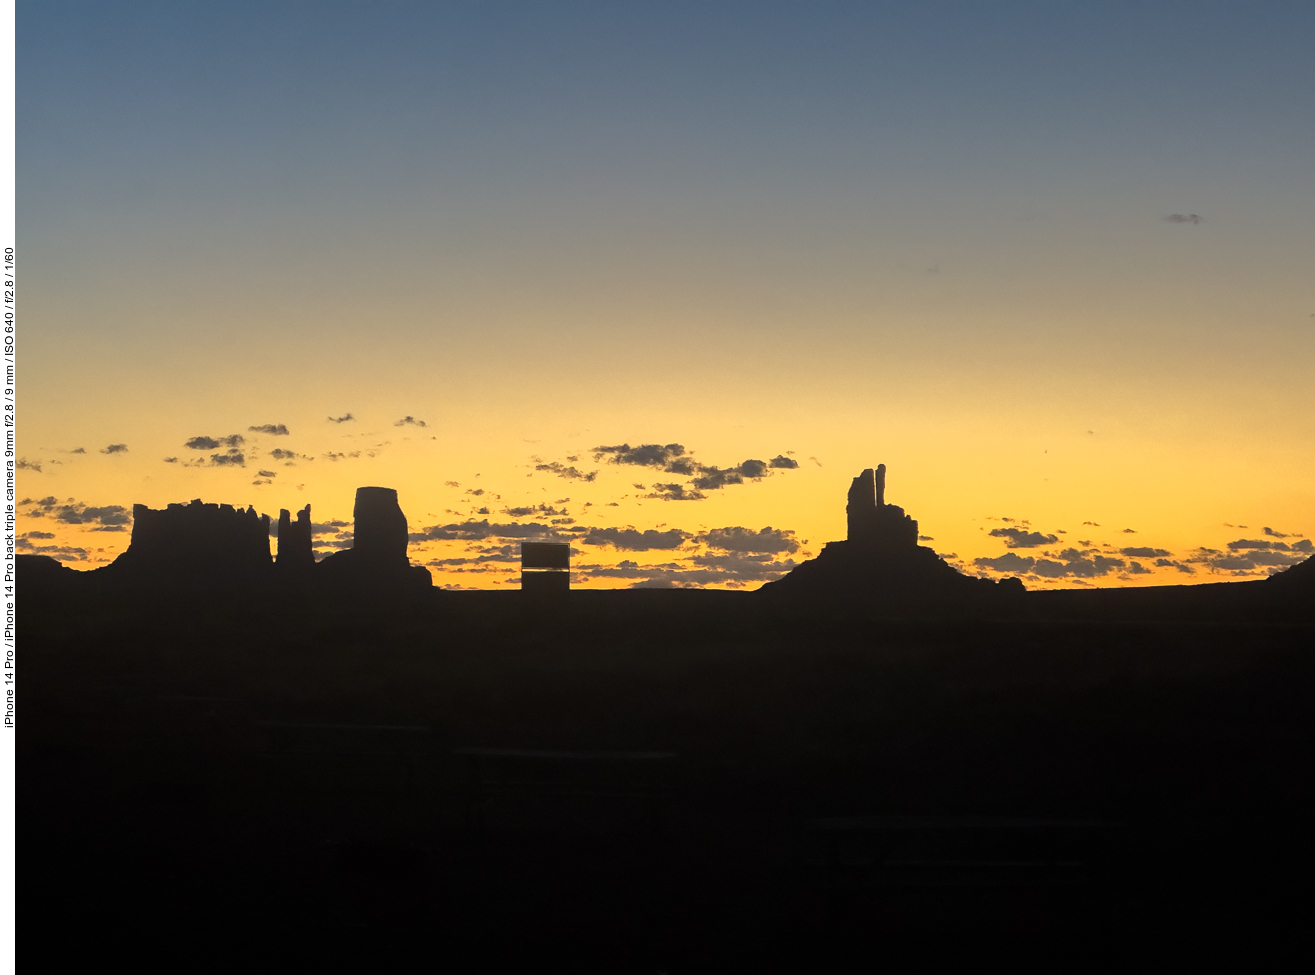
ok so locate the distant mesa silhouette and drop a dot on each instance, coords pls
(882, 564)
(217, 545)
(294, 547)
(195, 542)
(377, 557)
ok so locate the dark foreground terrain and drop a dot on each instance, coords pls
(240, 778)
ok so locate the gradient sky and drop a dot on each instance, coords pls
(1049, 262)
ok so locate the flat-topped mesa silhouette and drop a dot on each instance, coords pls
(882, 565)
(195, 542)
(294, 544)
(377, 557)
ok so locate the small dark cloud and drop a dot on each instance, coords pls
(78, 450)
(455, 484)
(1256, 543)
(1129, 531)
(171, 460)
(77, 513)
(570, 473)
(214, 443)
(278, 453)
(815, 461)
(1303, 546)
(115, 448)
(28, 465)
(38, 535)
(632, 540)
(742, 567)
(1076, 565)
(1093, 524)
(1009, 562)
(1022, 538)
(782, 462)
(234, 458)
(477, 530)
(1182, 218)
(764, 541)
(475, 491)
(534, 509)
(645, 455)
(1273, 534)
(63, 552)
(1137, 569)
(346, 417)
(410, 421)
(1143, 552)
(273, 429)
(1171, 564)
(672, 492)
(266, 474)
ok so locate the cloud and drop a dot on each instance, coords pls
(1009, 562)
(329, 528)
(1143, 552)
(1171, 564)
(713, 478)
(38, 535)
(78, 513)
(78, 450)
(632, 540)
(1273, 534)
(764, 541)
(673, 492)
(278, 453)
(27, 465)
(780, 461)
(535, 509)
(645, 455)
(1182, 218)
(477, 530)
(345, 418)
(410, 421)
(1137, 569)
(570, 473)
(1077, 565)
(1093, 524)
(171, 460)
(1129, 531)
(273, 429)
(115, 448)
(213, 443)
(234, 458)
(1021, 538)
(743, 567)
(66, 552)
(266, 474)
(732, 570)
(1242, 544)
(1303, 546)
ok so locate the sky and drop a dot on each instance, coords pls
(661, 278)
